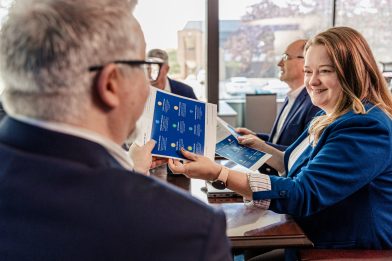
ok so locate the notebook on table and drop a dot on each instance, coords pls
(217, 193)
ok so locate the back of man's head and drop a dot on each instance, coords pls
(158, 53)
(46, 48)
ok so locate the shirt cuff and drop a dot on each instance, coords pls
(258, 182)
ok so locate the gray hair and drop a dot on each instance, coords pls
(158, 53)
(47, 46)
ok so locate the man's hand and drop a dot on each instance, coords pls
(158, 161)
(142, 157)
(244, 131)
(252, 141)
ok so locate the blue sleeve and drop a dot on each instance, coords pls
(348, 156)
(263, 136)
(277, 146)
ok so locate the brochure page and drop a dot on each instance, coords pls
(176, 122)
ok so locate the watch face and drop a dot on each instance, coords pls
(218, 184)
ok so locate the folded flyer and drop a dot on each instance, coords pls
(176, 122)
(228, 147)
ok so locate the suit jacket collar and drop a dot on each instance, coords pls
(310, 151)
(302, 159)
(173, 87)
(32, 139)
(275, 125)
(296, 106)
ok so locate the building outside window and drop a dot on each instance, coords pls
(254, 34)
(178, 27)
(373, 19)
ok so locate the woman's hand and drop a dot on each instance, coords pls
(198, 167)
(277, 159)
(201, 167)
(244, 131)
(252, 141)
(141, 156)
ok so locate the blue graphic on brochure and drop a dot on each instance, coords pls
(178, 123)
(231, 149)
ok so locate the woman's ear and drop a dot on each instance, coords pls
(108, 86)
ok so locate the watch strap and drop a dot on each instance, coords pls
(223, 174)
(220, 182)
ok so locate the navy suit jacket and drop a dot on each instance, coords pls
(296, 122)
(2, 112)
(182, 89)
(66, 198)
(340, 191)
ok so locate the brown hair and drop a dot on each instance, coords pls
(357, 73)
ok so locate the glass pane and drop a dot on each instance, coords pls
(373, 18)
(177, 26)
(254, 34)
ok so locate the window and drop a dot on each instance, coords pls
(373, 18)
(178, 27)
(254, 34)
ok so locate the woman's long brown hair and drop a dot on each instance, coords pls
(357, 73)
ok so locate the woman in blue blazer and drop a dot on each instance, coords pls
(336, 179)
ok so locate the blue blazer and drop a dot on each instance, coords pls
(340, 191)
(296, 122)
(182, 89)
(66, 198)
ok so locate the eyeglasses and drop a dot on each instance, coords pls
(151, 68)
(286, 57)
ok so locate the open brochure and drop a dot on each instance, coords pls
(176, 122)
(227, 146)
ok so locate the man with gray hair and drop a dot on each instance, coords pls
(163, 82)
(68, 191)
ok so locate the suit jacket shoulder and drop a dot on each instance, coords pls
(346, 176)
(59, 191)
(182, 89)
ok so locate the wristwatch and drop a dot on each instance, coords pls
(220, 182)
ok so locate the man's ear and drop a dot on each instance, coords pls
(165, 68)
(107, 86)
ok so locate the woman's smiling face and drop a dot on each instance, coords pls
(321, 79)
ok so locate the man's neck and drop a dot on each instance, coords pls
(295, 86)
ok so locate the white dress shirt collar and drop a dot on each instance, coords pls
(167, 85)
(114, 149)
(293, 94)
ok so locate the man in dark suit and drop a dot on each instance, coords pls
(297, 110)
(2, 112)
(164, 82)
(68, 191)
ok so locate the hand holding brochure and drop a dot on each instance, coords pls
(227, 146)
(176, 122)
